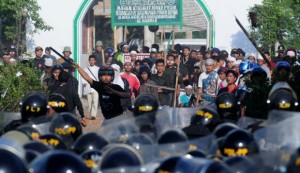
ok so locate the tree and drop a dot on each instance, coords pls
(14, 15)
(277, 22)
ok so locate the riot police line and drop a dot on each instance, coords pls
(208, 139)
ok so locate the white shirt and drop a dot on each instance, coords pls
(267, 70)
(94, 69)
(202, 77)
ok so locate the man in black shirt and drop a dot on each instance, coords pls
(110, 94)
(39, 61)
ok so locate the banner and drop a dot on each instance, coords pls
(139, 56)
(146, 12)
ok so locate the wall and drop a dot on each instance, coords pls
(227, 33)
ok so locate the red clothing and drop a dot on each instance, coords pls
(226, 89)
(133, 81)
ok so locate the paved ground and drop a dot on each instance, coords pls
(93, 125)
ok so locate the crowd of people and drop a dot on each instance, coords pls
(222, 88)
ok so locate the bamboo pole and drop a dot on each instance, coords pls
(115, 39)
(176, 80)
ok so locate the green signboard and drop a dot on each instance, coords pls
(146, 12)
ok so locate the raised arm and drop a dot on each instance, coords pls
(83, 74)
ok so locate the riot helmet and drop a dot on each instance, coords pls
(206, 116)
(239, 142)
(33, 105)
(241, 164)
(145, 103)
(30, 131)
(223, 129)
(67, 126)
(58, 161)
(258, 74)
(227, 106)
(89, 141)
(53, 141)
(58, 102)
(172, 136)
(106, 70)
(293, 164)
(92, 159)
(282, 97)
(246, 66)
(120, 155)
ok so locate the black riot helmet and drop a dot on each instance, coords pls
(92, 158)
(145, 103)
(58, 161)
(30, 131)
(10, 162)
(206, 116)
(58, 102)
(258, 74)
(67, 126)
(53, 141)
(120, 156)
(227, 106)
(282, 97)
(89, 141)
(106, 70)
(34, 104)
(172, 136)
(239, 143)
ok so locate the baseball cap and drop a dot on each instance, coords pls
(48, 62)
(189, 87)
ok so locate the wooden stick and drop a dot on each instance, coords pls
(176, 80)
(115, 38)
(103, 58)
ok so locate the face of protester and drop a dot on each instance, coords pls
(193, 54)
(236, 55)
(137, 66)
(222, 76)
(128, 67)
(99, 48)
(39, 53)
(268, 57)
(188, 91)
(207, 55)
(230, 64)
(132, 57)
(186, 52)
(56, 73)
(251, 58)
(47, 69)
(158, 56)
(6, 58)
(199, 57)
(153, 55)
(236, 68)
(92, 61)
(144, 76)
(12, 53)
(125, 49)
(160, 67)
(67, 54)
(106, 78)
(230, 78)
(260, 62)
(170, 61)
(209, 67)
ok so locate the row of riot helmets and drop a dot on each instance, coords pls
(154, 139)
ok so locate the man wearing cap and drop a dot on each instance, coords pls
(281, 53)
(207, 84)
(133, 55)
(184, 99)
(98, 53)
(119, 56)
(261, 63)
(67, 53)
(48, 54)
(47, 72)
(39, 61)
(230, 61)
(235, 53)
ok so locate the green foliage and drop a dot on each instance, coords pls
(278, 21)
(14, 14)
(17, 86)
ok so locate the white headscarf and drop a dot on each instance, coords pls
(117, 79)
